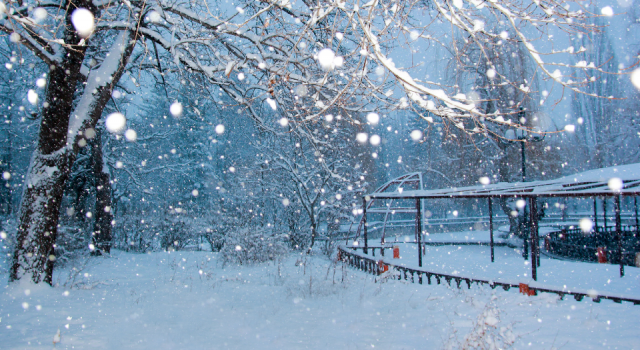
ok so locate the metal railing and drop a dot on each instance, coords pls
(368, 264)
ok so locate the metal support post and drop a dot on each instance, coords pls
(364, 220)
(595, 213)
(419, 230)
(604, 208)
(526, 228)
(537, 232)
(524, 169)
(616, 207)
(491, 227)
(533, 227)
(635, 204)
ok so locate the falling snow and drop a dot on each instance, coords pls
(83, 21)
(199, 164)
(115, 123)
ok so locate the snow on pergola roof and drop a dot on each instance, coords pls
(612, 181)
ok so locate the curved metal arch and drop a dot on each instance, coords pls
(395, 185)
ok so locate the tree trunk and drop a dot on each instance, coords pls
(48, 171)
(6, 165)
(37, 231)
(313, 234)
(60, 131)
(101, 236)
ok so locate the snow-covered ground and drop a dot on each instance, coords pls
(509, 266)
(188, 300)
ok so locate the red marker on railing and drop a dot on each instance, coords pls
(382, 267)
(524, 289)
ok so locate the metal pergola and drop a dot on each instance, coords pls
(407, 181)
(613, 182)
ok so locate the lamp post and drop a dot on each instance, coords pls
(523, 136)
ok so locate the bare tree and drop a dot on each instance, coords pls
(305, 61)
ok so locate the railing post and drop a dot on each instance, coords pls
(419, 230)
(619, 232)
(491, 226)
(364, 221)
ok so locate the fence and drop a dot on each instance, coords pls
(370, 265)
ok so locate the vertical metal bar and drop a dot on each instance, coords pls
(635, 204)
(524, 169)
(526, 228)
(537, 232)
(616, 204)
(533, 226)
(364, 221)
(595, 213)
(419, 230)
(604, 208)
(491, 227)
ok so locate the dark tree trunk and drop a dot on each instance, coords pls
(6, 164)
(102, 226)
(48, 171)
(37, 231)
(313, 237)
(314, 232)
(56, 151)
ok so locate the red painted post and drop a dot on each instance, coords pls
(602, 255)
(382, 267)
(547, 244)
(524, 288)
(396, 252)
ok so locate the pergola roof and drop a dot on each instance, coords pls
(585, 184)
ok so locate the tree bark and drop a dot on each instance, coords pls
(60, 131)
(101, 236)
(48, 170)
(313, 236)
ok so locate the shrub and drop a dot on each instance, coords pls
(252, 245)
(176, 233)
(215, 238)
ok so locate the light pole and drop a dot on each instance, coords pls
(523, 136)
